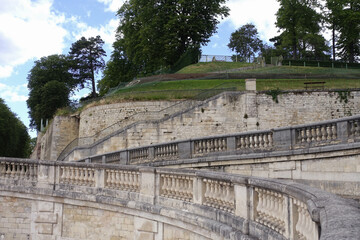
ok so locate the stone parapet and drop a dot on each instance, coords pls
(226, 206)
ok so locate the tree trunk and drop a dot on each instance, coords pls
(333, 41)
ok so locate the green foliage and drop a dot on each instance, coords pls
(156, 33)
(245, 42)
(191, 56)
(300, 24)
(118, 69)
(274, 93)
(343, 96)
(87, 56)
(50, 84)
(348, 43)
(14, 138)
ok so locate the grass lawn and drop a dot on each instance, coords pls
(303, 70)
(208, 67)
(185, 89)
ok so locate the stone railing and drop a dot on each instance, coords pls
(339, 131)
(255, 207)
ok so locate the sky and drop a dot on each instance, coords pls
(31, 29)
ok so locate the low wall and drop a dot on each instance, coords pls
(208, 205)
(323, 154)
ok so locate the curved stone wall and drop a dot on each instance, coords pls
(208, 205)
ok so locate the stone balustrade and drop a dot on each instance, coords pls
(264, 207)
(340, 131)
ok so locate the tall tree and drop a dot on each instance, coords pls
(245, 41)
(50, 83)
(300, 25)
(87, 55)
(14, 138)
(156, 33)
(118, 69)
(332, 18)
(349, 31)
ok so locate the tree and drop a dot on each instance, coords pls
(156, 33)
(50, 83)
(14, 138)
(332, 18)
(118, 69)
(87, 56)
(300, 25)
(245, 41)
(349, 31)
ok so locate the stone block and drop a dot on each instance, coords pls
(45, 207)
(281, 166)
(145, 225)
(46, 218)
(144, 236)
(250, 84)
(45, 228)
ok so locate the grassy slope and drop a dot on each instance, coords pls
(213, 67)
(184, 89)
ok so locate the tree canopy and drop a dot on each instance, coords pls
(87, 56)
(14, 138)
(245, 41)
(156, 33)
(50, 83)
(300, 26)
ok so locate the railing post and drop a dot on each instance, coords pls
(231, 144)
(242, 205)
(185, 151)
(151, 155)
(342, 131)
(147, 185)
(198, 190)
(100, 178)
(282, 139)
(46, 175)
(124, 157)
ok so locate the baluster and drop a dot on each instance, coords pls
(318, 133)
(122, 180)
(323, 133)
(334, 131)
(251, 141)
(313, 134)
(328, 131)
(303, 135)
(247, 142)
(308, 135)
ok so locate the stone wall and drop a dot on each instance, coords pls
(101, 201)
(295, 108)
(61, 131)
(222, 114)
(84, 223)
(231, 113)
(95, 119)
(15, 218)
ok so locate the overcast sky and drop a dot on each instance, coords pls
(31, 29)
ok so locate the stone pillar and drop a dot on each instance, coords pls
(251, 111)
(46, 220)
(147, 185)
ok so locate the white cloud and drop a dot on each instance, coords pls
(112, 5)
(259, 12)
(28, 29)
(13, 93)
(107, 32)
